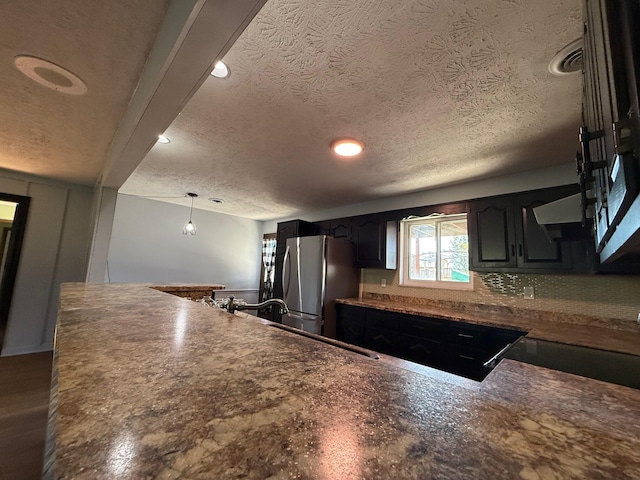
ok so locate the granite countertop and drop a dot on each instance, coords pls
(148, 385)
(606, 334)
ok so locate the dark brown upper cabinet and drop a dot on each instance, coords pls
(375, 241)
(505, 236)
(609, 161)
(337, 228)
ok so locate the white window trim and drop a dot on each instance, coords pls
(404, 279)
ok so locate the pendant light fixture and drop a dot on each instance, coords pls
(189, 227)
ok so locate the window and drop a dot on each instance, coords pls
(434, 252)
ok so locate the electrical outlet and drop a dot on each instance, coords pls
(529, 293)
(383, 282)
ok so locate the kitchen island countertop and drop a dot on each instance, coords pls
(148, 385)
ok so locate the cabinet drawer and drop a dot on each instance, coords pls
(468, 335)
(350, 312)
(382, 319)
(422, 327)
(467, 362)
(381, 340)
(421, 350)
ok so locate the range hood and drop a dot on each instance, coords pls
(558, 218)
(565, 210)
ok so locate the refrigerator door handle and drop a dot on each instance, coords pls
(285, 285)
(299, 273)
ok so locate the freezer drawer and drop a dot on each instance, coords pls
(302, 321)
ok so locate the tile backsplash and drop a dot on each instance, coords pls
(606, 296)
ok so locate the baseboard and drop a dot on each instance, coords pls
(11, 351)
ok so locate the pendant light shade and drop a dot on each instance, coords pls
(189, 228)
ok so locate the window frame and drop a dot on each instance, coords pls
(437, 219)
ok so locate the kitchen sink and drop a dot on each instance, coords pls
(620, 368)
(330, 341)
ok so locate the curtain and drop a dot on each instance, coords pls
(269, 261)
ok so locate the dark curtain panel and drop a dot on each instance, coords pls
(269, 261)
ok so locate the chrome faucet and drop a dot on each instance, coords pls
(232, 305)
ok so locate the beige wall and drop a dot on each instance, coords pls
(607, 296)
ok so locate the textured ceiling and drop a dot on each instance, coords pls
(440, 92)
(106, 44)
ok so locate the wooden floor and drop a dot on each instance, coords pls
(24, 402)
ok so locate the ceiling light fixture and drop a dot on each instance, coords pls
(50, 75)
(216, 200)
(220, 70)
(347, 147)
(164, 140)
(189, 227)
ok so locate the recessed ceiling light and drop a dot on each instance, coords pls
(220, 70)
(216, 200)
(163, 139)
(347, 147)
(50, 75)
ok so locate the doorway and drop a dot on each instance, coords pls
(13, 220)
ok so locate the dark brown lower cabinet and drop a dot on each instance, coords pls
(351, 328)
(422, 350)
(456, 347)
(381, 340)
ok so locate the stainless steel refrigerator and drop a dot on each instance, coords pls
(315, 271)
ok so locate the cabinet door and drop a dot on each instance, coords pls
(468, 335)
(381, 340)
(381, 331)
(294, 228)
(423, 327)
(534, 249)
(369, 235)
(421, 350)
(597, 112)
(467, 362)
(491, 234)
(323, 228)
(350, 324)
(342, 228)
(287, 230)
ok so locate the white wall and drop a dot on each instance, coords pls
(54, 250)
(147, 245)
(561, 175)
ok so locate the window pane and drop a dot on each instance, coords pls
(454, 251)
(422, 252)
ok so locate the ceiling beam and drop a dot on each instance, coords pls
(194, 35)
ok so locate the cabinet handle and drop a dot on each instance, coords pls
(464, 335)
(520, 250)
(466, 357)
(513, 250)
(377, 338)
